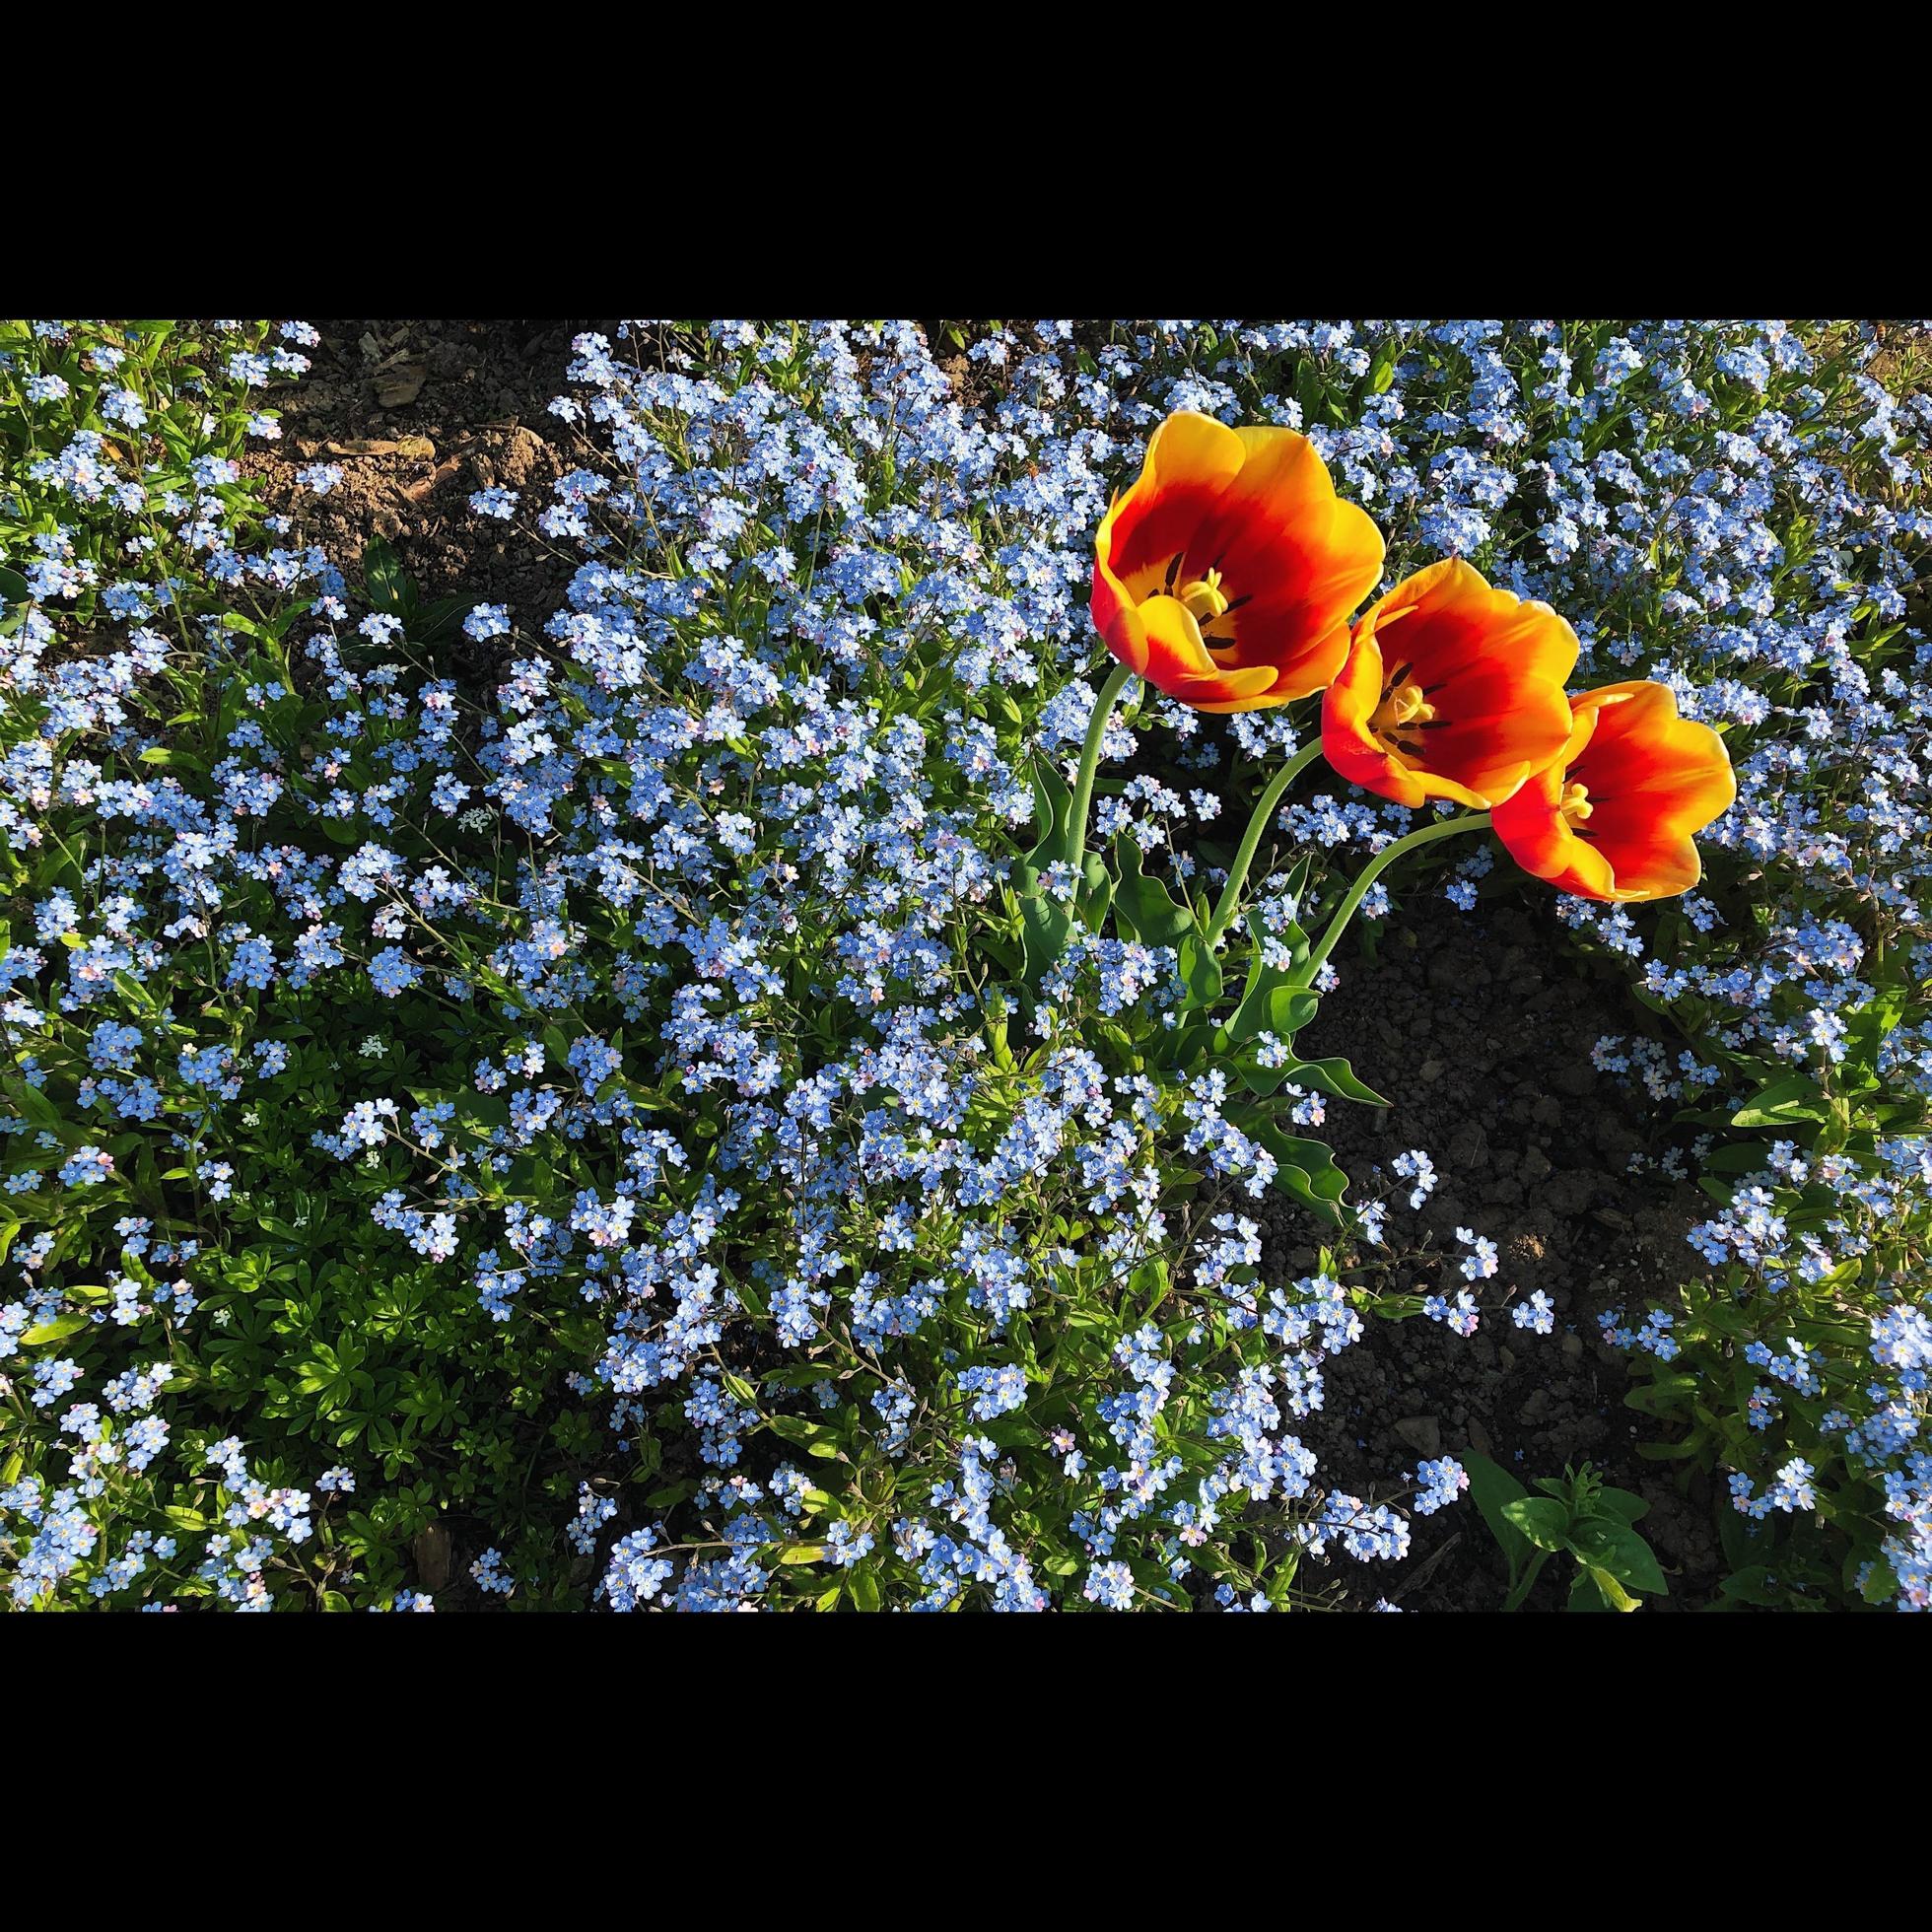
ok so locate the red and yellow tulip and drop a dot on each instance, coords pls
(1227, 575)
(1450, 689)
(1613, 817)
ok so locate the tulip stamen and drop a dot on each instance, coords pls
(1173, 571)
(1203, 599)
(1404, 709)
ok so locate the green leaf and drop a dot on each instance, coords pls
(1200, 970)
(795, 1429)
(1601, 1583)
(1751, 1585)
(1741, 1157)
(1778, 1103)
(59, 1330)
(1622, 1504)
(1333, 1077)
(1881, 1586)
(1143, 908)
(1584, 1595)
(382, 574)
(1667, 1398)
(1541, 1520)
(1612, 1545)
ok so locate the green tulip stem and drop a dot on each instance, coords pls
(1251, 838)
(1103, 710)
(1376, 867)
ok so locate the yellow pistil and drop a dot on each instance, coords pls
(1575, 805)
(1400, 711)
(1203, 599)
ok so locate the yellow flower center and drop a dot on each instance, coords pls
(1203, 599)
(1575, 805)
(1403, 715)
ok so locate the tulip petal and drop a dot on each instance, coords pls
(1191, 459)
(1174, 647)
(1301, 556)
(1536, 834)
(1650, 779)
(1497, 729)
(1656, 867)
(1678, 768)
(1490, 664)
(1254, 513)
(1456, 622)
(1253, 689)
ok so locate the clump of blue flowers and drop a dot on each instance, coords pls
(713, 1224)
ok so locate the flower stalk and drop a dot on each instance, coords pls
(1376, 867)
(1263, 815)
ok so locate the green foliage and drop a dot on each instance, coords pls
(1581, 1515)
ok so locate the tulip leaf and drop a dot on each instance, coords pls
(1258, 1078)
(1308, 390)
(1201, 971)
(1300, 1187)
(1185, 1044)
(1097, 892)
(1053, 804)
(1333, 1077)
(1306, 1170)
(1290, 1009)
(1044, 922)
(1311, 1156)
(1143, 908)
(1259, 1009)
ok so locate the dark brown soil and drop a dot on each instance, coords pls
(477, 417)
(1479, 1028)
